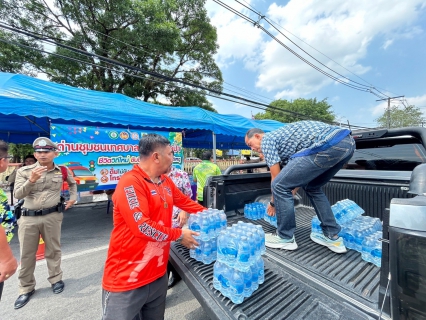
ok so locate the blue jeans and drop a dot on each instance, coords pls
(311, 173)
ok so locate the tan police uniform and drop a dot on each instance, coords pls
(41, 216)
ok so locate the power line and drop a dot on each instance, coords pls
(293, 52)
(273, 22)
(154, 74)
(81, 43)
(213, 92)
(137, 76)
(358, 86)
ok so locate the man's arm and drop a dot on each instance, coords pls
(23, 185)
(8, 263)
(184, 202)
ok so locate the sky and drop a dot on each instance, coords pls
(380, 44)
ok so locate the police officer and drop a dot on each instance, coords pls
(40, 186)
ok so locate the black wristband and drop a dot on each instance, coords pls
(271, 204)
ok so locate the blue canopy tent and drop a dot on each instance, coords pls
(28, 104)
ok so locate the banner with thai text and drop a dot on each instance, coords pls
(98, 156)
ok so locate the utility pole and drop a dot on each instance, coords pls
(388, 110)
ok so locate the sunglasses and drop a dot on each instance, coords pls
(8, 157)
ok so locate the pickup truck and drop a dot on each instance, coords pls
(312, 282)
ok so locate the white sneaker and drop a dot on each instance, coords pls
(334, 245)
(274, 241)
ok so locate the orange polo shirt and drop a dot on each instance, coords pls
(140, 240)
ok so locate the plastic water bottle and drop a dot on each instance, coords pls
(217, 223)
(349, 237)
(244, 252)
(339, 211)
(232, 250)
(212, 225)
(224, 279)
(214, 250)
(237, 287)
(223, 221)
(222, 244)
(204, 226)
(198, 250)
(255, 277)
(376, 253)
(261, 270)
(247, 283)
(194, 224)
(206, 252)
(261, 234)
(359, 236)
(218, 269)
(367, 247)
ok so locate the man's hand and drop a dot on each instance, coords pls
(36, 173)
(188, 239)
(270, 210)
(182, 218)
(68, 204)
(8, 268)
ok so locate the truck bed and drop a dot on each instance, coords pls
(311, 282)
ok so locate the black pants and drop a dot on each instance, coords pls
(1, 288)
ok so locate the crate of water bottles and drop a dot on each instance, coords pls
(254, 210)
(239, 268)
(356, 229)
(354, 232)
(208, 224)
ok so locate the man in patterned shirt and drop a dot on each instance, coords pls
(311, 152)
(8, 264)
(179, 217)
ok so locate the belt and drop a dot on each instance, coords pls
(42, 212)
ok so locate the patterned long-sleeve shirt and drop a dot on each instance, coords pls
(181, 180)
(299, 139)
(7, 219)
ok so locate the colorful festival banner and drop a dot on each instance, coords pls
(98, 156)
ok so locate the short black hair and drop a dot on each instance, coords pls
(151, 142)
(30, 156)
(250, 133)
(207, 155)
(4, 148)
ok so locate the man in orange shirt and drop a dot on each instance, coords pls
(135, 281)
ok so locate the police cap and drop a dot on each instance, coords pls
(44, 144)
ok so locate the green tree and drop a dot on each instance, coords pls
(169, 37)
(409, 116)
(19, 151)
(311, 108)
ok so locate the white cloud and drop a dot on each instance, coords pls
(237, 39)
(342, 30)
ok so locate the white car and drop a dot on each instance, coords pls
(192, 159)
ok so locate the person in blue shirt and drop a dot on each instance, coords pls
(310, 153)
(8, 263)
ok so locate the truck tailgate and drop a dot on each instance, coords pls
(309, 283)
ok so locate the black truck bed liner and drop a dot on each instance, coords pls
(309, 283)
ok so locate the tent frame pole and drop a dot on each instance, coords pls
(214, 147)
